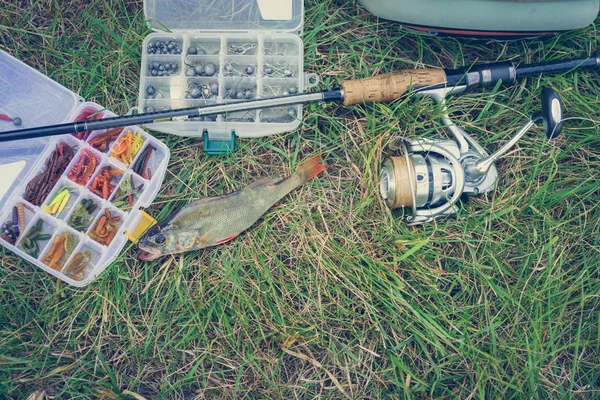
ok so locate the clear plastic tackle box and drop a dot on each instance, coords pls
(223, 51)
(66, 201)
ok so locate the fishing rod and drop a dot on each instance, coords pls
(381, 88)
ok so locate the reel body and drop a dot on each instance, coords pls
(431, 175)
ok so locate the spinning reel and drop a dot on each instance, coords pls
(431, 175)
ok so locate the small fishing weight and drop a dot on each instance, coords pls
(159, 108)
(205, 91)
(242, 48)
(233, 68)
(194, 51)
(204, 49)
(200, 69)
(279, 70)
(272, 91)
(163, 69)
(240, 94)
(164, 47)
(153, 93)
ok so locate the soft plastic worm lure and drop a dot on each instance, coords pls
(58, 203)
(127, 147)
(141, 165)
(127, 194)
(30, 243)
(102, 185)
(82, 217)
(14, 226)
(16, 120)
(60, 250)
(106, 228)
(39, 187)
(101, 141)
(83, 170)
(89, 114)
(78, 265)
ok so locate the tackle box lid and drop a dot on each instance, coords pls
(225, 15)
(37, 100)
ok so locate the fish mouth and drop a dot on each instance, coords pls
(145, 255)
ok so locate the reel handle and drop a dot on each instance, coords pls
(391, 86)
(551, 115)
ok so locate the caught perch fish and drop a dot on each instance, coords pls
(215, 220)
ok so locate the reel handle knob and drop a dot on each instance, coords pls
(551, 113)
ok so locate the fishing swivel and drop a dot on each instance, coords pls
(431, 175)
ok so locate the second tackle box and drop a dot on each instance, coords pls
(66, 202)
(219, 51)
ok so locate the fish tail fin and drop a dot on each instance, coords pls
(309, 169)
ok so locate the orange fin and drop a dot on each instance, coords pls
(311, 168)
(227, 239)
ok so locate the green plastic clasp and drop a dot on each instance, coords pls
(219, 147)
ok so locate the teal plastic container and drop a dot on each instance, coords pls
(487, 18)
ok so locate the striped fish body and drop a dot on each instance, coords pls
(212, 221)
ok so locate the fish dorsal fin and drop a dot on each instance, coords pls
(206, 200)
(264, 182)
(165, 222)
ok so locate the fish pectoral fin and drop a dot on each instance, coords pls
(187, 243)
(228, 239)
(202, 241)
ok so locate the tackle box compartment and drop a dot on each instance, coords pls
(38, 100)
(241, 50)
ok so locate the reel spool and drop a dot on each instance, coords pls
(426, 176)
(430, 176)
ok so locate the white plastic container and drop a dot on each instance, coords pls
(38, 100)
(259, 34)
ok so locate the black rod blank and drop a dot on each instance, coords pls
(478, 75)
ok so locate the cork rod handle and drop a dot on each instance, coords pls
(389, 87)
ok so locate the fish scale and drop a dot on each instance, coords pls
(211, 221)
(233, 214)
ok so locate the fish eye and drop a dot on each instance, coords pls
(160, 239)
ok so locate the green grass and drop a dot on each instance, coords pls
(329, 295)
